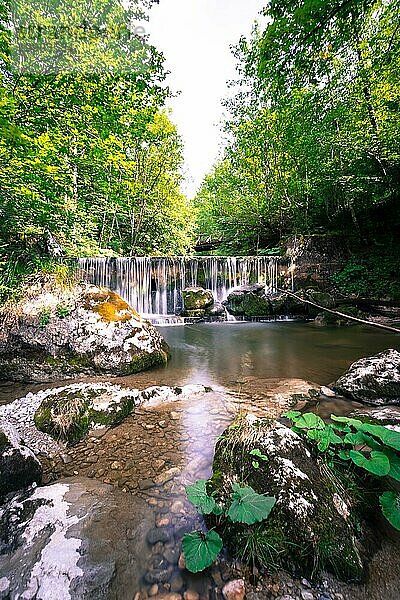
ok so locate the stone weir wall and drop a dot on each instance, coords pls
(154, 286)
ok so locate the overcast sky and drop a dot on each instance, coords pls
(194, 36)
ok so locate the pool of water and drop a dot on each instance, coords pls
(221, 353)
(227, 354)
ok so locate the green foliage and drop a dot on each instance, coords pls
(258, 454)
(369, 447)
(312, 139)
(63, 311)
(249, 507)
(390, 503)
(201, 549)
(198, 496)
(245, 506)
(44, 318)
(88, 158)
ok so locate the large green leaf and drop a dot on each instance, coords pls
(394, 460)
(291, 414)
(201, 549)
(248, 506)
(309, 421)
(362, 439)
(198, 496)
(388, 436)
(347, 420)
(324, 437)
(390, 503)
(378, 463)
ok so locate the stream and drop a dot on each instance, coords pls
(158, 450)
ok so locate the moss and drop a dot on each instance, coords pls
(145, 361)
(69, 416)
(110, 307)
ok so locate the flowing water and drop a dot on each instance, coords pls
(154, 285)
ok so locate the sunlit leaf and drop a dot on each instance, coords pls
(201, 549)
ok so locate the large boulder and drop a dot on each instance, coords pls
(19, 467)
(197, 298)
(311, 526)
(77, 539)
(375, 379)
(249, 301)
(59, 332)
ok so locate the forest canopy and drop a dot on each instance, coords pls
(313, 129)
(88, 154)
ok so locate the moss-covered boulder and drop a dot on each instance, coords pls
(249, 301)
(57, 332)
(19, 467)
(197, 298)
(68, 413)
(375, 379)
(311, 527)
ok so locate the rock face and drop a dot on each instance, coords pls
(69, 540)
(375, 379)
(56, 333)
(311, 512)
(19, 467)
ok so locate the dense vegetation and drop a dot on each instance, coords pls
(88, 155)
(313, 131)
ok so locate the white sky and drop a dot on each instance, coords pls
(194, 36)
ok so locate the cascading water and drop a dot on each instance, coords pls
(153, 286)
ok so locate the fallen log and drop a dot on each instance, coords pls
(340, 314)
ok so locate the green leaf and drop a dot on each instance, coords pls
(256, 452)
(255, 464)
(390, 503)
(291, 414)
(378, 463)
(353, 422)
(361, 439)
(324, 437)
(198, 496)
(394, 460)
(388, 436)
(201, 549)
(248, 506)
(310, 421)
(344, 455)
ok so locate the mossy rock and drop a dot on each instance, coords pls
(197, 298)
(69, 414)
(331, 320)
(195, 314)
(312, 527)
(249, 304)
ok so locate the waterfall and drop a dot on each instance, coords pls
(153, 286)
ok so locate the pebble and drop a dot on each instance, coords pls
(171, 554)
(157, 576)
(153, 591)
(234, 590)
(176, 583)
(158, 534)
(182, 562)
(307, 595)
(146, 484)
(191, 595)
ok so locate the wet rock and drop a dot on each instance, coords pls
(81, 330)
(67, 540)
(385, 415)
(172, 555)
(234, 590)
(176, 583)
(197, 298)
(158, 534)
(375, 379)
(309, 509)
(249, 301)
(157, 576)
(153, 591)
(19, 467)
(217, 310)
